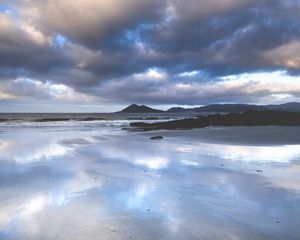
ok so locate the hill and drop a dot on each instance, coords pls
(215, 108)
(236, 108)
(134, 108)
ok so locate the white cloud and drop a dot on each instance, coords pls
(151, 74)
(35, 89)
(261, 88)
(16, 30)
(189, 74)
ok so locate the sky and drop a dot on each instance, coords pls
(100, 55)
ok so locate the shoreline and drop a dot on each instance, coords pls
(237, 135)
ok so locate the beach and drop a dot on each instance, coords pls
(95, 180)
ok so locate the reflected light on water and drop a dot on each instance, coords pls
(281, 154)
(137, 199)
(35, 154)
(153, 162)
(129, 186)
(34, 205)
(189, 162)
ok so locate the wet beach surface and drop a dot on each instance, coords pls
(96, 181)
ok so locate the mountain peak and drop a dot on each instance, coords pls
(134, 108)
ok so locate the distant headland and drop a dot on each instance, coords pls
(215, 108)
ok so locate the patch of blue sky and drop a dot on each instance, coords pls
(60, 40)
(5, 8)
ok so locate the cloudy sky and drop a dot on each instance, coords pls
(100, 55)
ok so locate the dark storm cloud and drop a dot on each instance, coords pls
(94, 23)
(24, 49)
(231, 39)
(93, 46)
(231, 42)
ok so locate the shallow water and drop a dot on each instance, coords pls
(96, 181)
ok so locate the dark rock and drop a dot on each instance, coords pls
(249, 118)
(157, 138)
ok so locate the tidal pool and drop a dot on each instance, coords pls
(98, 181)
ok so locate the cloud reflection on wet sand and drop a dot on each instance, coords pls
(78, 185)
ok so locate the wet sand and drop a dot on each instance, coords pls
(100, 182)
